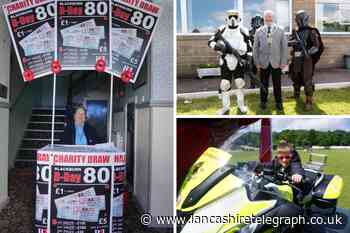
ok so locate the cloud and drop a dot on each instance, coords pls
(322, 124)
(218, 16)
(207, 29)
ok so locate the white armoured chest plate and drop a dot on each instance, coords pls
(236, 40)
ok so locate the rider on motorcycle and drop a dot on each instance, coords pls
(283, 168)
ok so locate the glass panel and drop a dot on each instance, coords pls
(205, 16)
(333, 16)
(244, 144)
(280, 8)
(178, 16)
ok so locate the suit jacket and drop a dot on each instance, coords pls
(68, 137)
(276, 54)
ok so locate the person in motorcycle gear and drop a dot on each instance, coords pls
(286, 164)
(283, 168)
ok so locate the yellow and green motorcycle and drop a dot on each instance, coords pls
(218, 197)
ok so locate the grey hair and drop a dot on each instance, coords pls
(268, 12)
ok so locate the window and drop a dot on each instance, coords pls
(205, 16)
(281, 9)
(178, 16)
(333, 16)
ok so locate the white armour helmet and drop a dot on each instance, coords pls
(232, 19)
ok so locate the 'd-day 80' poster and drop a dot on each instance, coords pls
(133, 24)
(31, 25)
(83, 34)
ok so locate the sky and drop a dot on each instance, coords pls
(322, 124)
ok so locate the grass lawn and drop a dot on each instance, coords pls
(327, 102)
(337, 163)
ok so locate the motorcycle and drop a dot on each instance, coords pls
(216, 195)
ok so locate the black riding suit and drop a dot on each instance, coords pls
(284, 208)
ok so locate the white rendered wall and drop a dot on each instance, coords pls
(4, 108)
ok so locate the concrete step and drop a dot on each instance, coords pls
(48, 111)
(46, 118)
(45, 125)
(39, 133)
(37, 143)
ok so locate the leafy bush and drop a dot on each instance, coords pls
(206, 66)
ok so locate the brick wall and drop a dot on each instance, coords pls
(193, 50)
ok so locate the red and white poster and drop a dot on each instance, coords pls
(83, 34)
(31, 24)
(132, 27)
(80, 188)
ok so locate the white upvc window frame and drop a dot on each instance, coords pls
(184, 21)
(327, 33)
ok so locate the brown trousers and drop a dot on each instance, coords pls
(301, 75)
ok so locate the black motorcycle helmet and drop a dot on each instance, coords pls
(302, 19)
(257, 21)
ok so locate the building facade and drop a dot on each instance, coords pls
(196, 21)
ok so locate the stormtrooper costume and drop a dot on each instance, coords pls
(232, 42)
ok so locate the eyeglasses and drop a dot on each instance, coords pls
(286, 157)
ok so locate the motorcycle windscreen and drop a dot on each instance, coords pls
(208, 179)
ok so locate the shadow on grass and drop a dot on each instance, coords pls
(300, 108)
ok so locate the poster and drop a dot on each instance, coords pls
(118, 197)
(42, 190)
(77, 189)
(132, 26)
(31, 26)
(82, 34)
(81, 198)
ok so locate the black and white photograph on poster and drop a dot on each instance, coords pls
(132, 27)
(118, 199)
(41, 192)
(83, 35)
(81, 199)
(31, 26)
